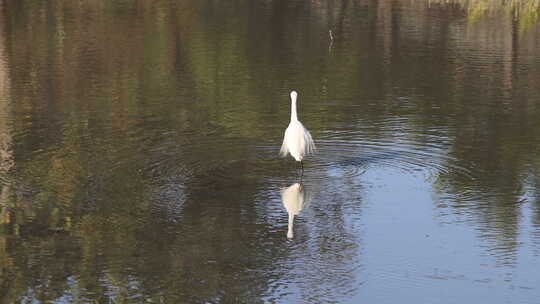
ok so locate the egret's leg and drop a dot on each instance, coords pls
(299, 171)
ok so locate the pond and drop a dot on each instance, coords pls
(139, 152)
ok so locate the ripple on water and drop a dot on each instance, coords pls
(356, 156)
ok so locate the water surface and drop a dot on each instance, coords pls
(139, 149)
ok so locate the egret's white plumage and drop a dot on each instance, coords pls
(297, 140)
(294, 198)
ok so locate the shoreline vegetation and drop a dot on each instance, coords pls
(525, 12)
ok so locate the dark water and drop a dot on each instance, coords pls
(139, 152)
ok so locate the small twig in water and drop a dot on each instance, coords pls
(331, 41)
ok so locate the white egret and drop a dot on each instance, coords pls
(297, 140)
(294, 198)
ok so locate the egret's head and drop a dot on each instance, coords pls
(294, 95)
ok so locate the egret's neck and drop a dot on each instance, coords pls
(294, 117)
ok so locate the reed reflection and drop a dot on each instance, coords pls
(295, 198)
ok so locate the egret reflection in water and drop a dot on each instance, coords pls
(295, 198)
